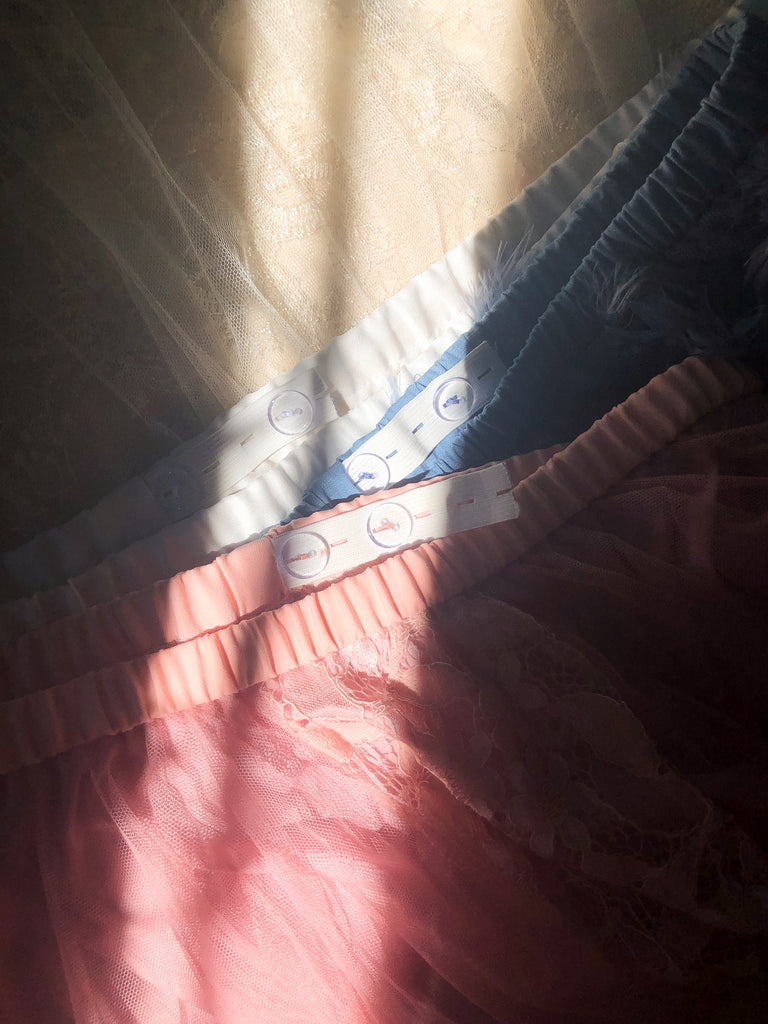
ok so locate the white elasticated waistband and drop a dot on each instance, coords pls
(261, 455)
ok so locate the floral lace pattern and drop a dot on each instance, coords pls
(538, 800)
(523, 729)
(458, 819)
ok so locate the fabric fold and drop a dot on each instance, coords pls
(562, 372)
(400, 339)
(59, 712)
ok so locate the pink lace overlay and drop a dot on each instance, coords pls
(461, 818)
(538, 800)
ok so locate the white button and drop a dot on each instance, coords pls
(304, 554)
(368, 472)
(176, 488)
(454, 400)
(390, 525)
(291, 412)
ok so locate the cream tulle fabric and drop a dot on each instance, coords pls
(198, 193)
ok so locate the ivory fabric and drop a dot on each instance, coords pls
(198, 194)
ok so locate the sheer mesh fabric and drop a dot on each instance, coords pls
(539, 800)
(198, 193)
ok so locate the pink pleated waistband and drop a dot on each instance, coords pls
(229, 625)
(237, 585)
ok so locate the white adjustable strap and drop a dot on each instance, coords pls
(275, 420)
(350, 540)
(401, 446)
(211, 466)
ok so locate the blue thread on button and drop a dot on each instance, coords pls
(453, 400)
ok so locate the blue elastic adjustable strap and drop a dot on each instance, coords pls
(638, 207)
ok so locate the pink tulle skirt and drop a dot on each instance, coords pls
(537, 799)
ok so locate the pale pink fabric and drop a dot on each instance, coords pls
(242, 583)
(539, 799)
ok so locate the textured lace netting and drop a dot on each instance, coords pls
(540, 799)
